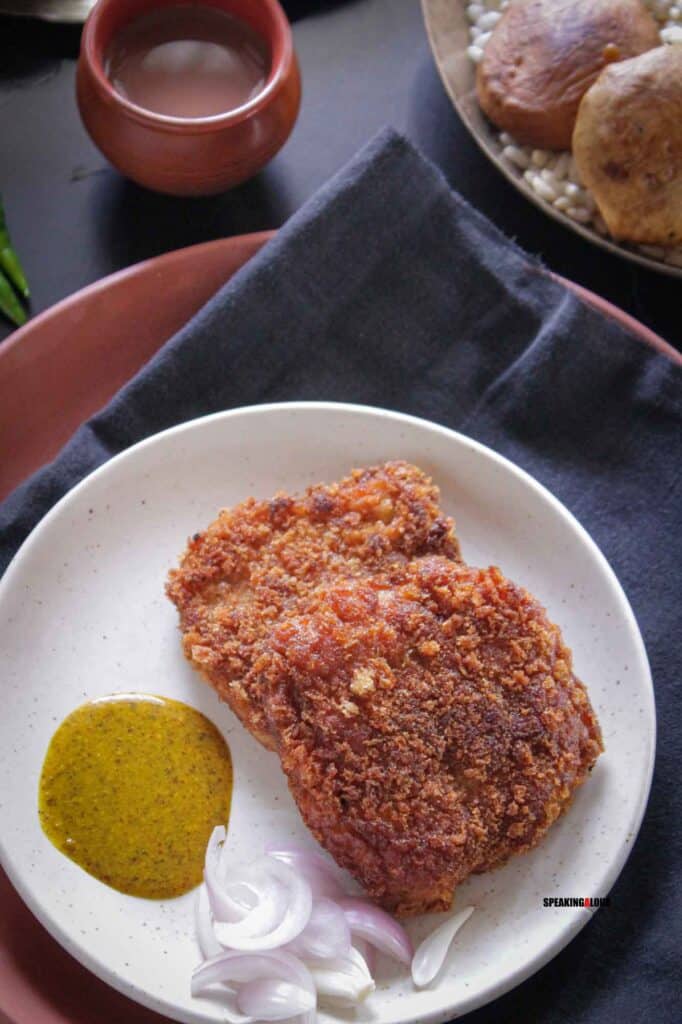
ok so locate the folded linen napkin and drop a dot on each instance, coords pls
(387, 289)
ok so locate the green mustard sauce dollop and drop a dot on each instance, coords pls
(131, 788)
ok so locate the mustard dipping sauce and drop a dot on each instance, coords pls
(132, 786)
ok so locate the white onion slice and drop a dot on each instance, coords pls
(378, 928)
(252, 897)
(430, 955)
(345, 979)
(324, 877)
(243, 894)
(229, 1011)
(282, 890)
(272, 999)
(281, 931)
(268, 900)
(233, 967)
(326, 934)
(236, 968)
(223, 906)
(208, 944)
(367, 952)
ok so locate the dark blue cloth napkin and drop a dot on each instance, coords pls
(389, 290)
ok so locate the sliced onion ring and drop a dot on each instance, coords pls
(235, 968)
(280, 882)
(345, 979)
(224, 908)
(325, 878)
(251, 896)
(269, 899)
(273, 999)
(326, 935)
(430, 955)
(367, 952)
(378, 928)
(208, 944)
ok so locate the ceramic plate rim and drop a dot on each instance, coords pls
(573, 924)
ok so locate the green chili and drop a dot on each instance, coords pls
(9, 261)
(9, 303)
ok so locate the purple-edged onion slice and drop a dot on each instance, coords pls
(324, 877)
(271, 999)
(235, 969)
(326, 934)
(367, 952)
(223, 905)
(283, 908)
(430, 955)
(378, 928)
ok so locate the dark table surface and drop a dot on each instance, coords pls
(365, 63)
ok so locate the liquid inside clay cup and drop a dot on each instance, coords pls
(182, 156)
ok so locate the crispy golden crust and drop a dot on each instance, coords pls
(543, 55)
(261, 559)
(429, 727)
(627, 145)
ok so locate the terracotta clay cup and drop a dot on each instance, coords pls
(183, 156)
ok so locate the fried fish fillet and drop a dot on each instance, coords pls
(260, 560)
(429, 726)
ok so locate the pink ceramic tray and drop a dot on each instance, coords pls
(66, 363)
(54, 373)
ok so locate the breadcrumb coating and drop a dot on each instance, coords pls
(261, 560)
(429, 724)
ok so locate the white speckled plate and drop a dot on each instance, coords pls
(82, 614)
(447, 27)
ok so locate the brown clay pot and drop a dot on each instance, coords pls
(182, 156)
